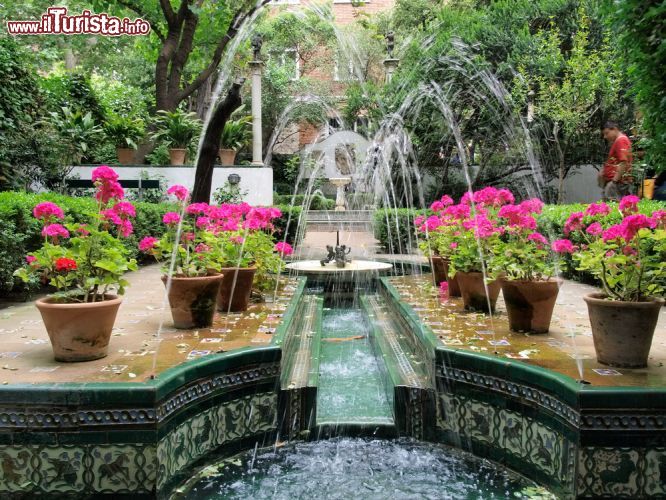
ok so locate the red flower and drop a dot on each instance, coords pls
(64, 264)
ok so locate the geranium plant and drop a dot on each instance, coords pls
(523, 253)
(436, 234)
(245, 238)
(628, 258)
(478, 230)
(85, 262)
(187, 248)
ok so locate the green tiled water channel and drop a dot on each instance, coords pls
(351, 389)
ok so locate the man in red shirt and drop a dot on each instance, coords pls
(615, 178)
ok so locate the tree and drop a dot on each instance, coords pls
(639, 26)
(570, 87)
(192, 39)
(211, 143)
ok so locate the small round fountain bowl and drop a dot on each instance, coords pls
(355, 267)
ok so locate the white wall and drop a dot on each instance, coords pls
(256, 181)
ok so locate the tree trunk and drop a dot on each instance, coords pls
(210, 146)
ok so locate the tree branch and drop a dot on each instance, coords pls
(237, 20)
(144, 15)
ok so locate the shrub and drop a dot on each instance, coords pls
(20, 231)
(394, 228)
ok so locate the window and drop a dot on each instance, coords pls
(288, 59)
(334, 125)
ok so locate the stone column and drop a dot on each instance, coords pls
(390, 66)
(257, 140)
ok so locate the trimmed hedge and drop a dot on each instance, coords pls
(550, 223)
(20, 232)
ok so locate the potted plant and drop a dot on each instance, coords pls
(245, 247)
(525, 259)
(235, 136)
(125, 132)
(85, 263)
(436, 236)
(473, 262)
(628, 260)
(191, 265)
(177, 129)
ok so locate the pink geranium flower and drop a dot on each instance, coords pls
(125, 228)
(48, 210)
(629, 204)
(124, 209)
(563, 246)
(574, 222)
(180, 192)
(30, 259)
(594, 229)
(597, 209)
(283, 248)
(197, 208)
(148, 243)
(537, 238)
(55, 231)
(104, 174)
(171, 218)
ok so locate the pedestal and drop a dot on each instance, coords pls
(340, 183)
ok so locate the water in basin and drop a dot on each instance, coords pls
(355, 468)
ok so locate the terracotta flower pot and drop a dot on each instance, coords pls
(177, 156)
(227, 157)
(622, 331)
(440, 271)
(440, 268)
(235, 290)
(125, 156)
(530, 304)
(79, 332)
(473, 292)
(193, 300)
(454, 286)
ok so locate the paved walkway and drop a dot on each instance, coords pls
(143, 341)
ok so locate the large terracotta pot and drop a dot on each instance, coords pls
(177, 156)
(227, 157)
(440, 271)
(193, 300)
(125, 156)
(473, 292)
(530, 304)
(236, 288)
(79, 332)
(622, 331)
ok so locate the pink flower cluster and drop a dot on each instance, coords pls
(47, 211)
(119, 214)
(283, 248)
(623, 233)
(180, 192)
(106, 182)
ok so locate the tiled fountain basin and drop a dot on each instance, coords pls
(604, 439)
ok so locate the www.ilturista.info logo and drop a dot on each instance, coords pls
(56, 22)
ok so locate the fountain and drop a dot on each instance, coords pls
(340, 183)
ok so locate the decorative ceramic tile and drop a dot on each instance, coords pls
(609, 472)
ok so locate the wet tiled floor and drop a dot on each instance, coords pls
(143, 342)
(568, 347)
